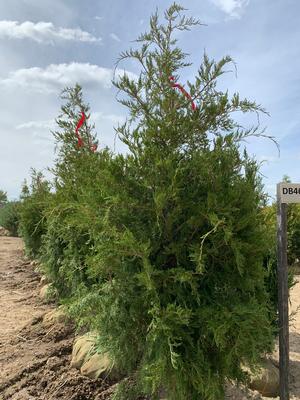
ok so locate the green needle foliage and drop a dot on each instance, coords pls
(34, 201)
(9, 217)
(162, 250)
(74, 214)
(180, 299)
(3, 198)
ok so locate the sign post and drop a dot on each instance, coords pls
(286, 193)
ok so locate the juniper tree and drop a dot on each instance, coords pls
(3, 198)
(70, 153)
(73, 212)
(34, 200)
(180, 302)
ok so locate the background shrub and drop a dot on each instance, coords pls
(174, 275)
(3, 198)
(9, 217)
(75, 215)
(34, 200)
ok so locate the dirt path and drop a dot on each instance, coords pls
(35, 359)
(295, 342)
(16, 284)
(17, 301)
(237, 394)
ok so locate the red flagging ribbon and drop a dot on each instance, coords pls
(79, 124)
(183, 91)
(80, 143)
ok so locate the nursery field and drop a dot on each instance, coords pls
(161, 258)
(35, 359)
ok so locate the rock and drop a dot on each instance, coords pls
(43, 291)
(44, 280)
(46, 292)
(240, 392)
(98, 365)
(3, 231)
(56, 316)
(82, 349)
(266, 380)
(90, 363)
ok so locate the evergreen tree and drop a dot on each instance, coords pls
(74, 213)
(180, 301)
(69, 153)
(34, 200)
(3, 198)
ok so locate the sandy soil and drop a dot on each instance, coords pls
(237, 394)
(295, 341)
(35, 360)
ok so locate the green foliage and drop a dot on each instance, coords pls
(34, 200)
(9, 217)
(178, 296)
(293, 228)
(268, 214)
(128, 389)
(3, 198)
(293, 232)
(74, 217)
(163, 250)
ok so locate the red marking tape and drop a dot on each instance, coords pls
(93, 147)
(79, 124)
(183, 91)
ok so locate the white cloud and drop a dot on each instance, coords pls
(42, 32)
(98, 18)
(46, 124)
(57, 76)
(115, 37)
(49, 124)
(233, 8)
(114, 118)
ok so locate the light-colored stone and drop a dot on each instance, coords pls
(44, 291)
(266, 380)
(3, 231)
(98, 365)
(44, 280)
(47, 292)
(91, 363)
(56, 316)
(83, 348)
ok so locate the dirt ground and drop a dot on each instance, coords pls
(237, 394)
(35, 360)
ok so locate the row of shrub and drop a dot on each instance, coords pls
(167, 251)
(9, 217)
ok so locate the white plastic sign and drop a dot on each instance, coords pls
(288, 192)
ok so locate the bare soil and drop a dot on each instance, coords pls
(35, 360)
(239, 394)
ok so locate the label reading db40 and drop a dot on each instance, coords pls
(288, 192)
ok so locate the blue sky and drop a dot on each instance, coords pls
(46, 45)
